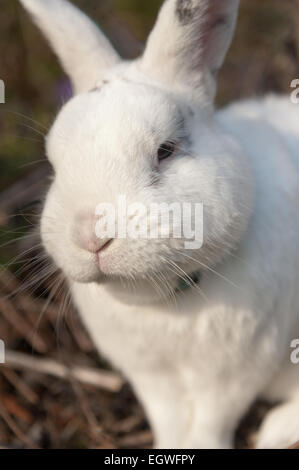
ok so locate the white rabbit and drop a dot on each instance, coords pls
(199, 361)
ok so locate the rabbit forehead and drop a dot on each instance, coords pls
(125, 101)
(118, 115)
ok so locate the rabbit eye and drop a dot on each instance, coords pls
(166, 150)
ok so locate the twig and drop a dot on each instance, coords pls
(15, 429)
(20, 385)
(21, 325)
(142, 439)
(23, 192)
(95, 430)
(98, 378)
(294, 10)
(79, 335)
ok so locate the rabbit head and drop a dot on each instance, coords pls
(146, 130)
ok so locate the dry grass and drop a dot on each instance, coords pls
(55, 393)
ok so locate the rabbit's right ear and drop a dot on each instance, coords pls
(189, 43)
(84, 51)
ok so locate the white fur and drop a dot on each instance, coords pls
(197, 362)
(80, 45)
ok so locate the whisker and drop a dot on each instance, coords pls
(15, 240)
(224, 278)
(44, 274)
(53, 289)
(28, 118)
(35, 162)
(185, 277)
(33, 129)
(62, 311)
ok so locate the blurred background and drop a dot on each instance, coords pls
(55, 392)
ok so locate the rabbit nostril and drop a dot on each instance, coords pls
(84, 233)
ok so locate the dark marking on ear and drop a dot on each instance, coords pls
(185, 11)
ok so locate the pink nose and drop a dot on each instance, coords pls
(84, 233)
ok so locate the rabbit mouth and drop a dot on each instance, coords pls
(103, 248)
(102, 257)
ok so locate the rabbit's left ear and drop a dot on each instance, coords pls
(85, 53)
(189, 43)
